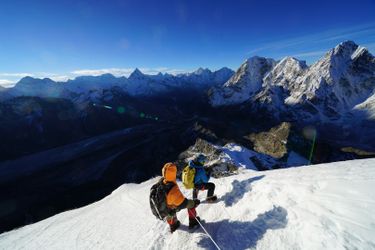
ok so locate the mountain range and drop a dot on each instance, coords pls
(67, 144)
(137, 84)
(340, 83)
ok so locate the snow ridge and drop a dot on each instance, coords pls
(327, 206)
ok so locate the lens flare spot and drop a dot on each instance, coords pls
(121, 110)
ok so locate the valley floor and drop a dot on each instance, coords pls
(327, 206)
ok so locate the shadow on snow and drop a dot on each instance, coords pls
(238, 190)
(241, 234)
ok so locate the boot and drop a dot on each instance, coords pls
(193, 222)
(211, 199)
(173, 227)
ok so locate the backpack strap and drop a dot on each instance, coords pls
(168, 186)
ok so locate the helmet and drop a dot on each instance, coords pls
(169, 172)
(200, 159)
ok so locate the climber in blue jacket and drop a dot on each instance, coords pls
(202, 176)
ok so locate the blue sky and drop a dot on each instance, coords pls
(64, 39)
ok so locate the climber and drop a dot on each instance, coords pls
(202, 175)
(176, 201)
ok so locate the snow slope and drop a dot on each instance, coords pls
(328, 206)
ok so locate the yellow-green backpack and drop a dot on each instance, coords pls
(188, 175)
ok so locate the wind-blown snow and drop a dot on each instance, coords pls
(327, 206)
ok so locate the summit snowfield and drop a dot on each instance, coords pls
(327, 206)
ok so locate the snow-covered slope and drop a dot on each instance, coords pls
(29, 86)
(83, 84)
(328, 206)
(205, 77)
(368, 107)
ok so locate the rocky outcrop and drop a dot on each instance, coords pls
(214, 158)
(358, 152)
(273, 142)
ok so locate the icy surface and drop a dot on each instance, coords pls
(327, 206)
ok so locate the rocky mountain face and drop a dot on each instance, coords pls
(327, 90)
(246, 82)
(335, 95)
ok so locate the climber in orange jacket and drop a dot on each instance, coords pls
(177, 201)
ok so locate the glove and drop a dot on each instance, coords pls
(208, 171)
(196, 202)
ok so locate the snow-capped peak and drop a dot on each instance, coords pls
(345, 48)
(285, 72)
(335, 84)
(201, 71)
(28, 80)
(360, 51)
(251, 72)
(244, 84)
(29, 86)
(136, 74)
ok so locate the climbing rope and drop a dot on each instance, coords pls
(207, 233)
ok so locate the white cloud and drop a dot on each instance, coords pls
(13, 78)
(126, 71)
(97, 72)
(16, 74)
(53, 76)
(6, 83)
(59, 78)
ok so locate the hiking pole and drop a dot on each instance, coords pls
(207, 233)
